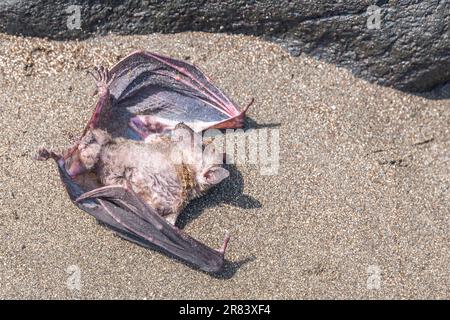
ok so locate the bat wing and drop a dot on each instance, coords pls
(122, 211)
(151, 93)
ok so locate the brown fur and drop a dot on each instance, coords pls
(149, 169)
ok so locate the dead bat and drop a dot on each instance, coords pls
(132, 170)
(166, 172)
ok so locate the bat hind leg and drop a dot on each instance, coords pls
(145, 125)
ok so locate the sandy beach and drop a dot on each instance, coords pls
(359, 207)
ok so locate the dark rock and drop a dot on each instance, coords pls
(408, 49)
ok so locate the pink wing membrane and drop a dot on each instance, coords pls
(149, 84)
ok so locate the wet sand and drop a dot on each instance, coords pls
(359, 207)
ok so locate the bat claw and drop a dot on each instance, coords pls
(101, 77)
(44, 154)
(248, 105)
(225, 243)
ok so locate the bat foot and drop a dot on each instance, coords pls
(139, 127)
(145, 126)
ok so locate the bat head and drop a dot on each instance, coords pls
(204, 159)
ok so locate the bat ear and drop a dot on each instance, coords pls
(215, 175)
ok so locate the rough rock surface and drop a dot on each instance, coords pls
(408, 49)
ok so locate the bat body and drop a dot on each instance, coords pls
(165, 173)
(138, 163)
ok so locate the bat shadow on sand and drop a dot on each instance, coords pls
(249, 123)
(230, 192)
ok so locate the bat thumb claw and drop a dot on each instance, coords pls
(225, 243)
(248, 105)
(43, 154)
